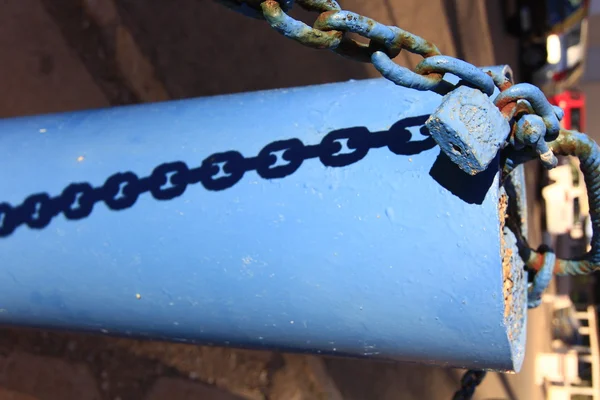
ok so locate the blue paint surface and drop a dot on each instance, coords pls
(396, 255)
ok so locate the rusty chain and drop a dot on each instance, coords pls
(384, 43)
(535, 123)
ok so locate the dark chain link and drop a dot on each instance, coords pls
(469, 382)
(217, 172)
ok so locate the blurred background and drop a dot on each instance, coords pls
(64, 55)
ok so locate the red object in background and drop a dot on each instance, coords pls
(560, 76)
(573, 104)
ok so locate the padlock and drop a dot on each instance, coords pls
(469, 129)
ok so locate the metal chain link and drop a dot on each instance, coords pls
(384, 43)
(576, 144)
(469, 382)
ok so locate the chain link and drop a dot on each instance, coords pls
(384, 43)
(469, 382)
(541, 278)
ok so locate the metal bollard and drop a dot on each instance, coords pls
(310, 219)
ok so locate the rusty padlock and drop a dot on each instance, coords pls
(469, 129)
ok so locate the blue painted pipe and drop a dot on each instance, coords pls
(321, 219)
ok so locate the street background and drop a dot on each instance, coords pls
(63, 55)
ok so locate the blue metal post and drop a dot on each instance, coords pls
(361, 240)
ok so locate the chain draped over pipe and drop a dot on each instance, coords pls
(535, 123)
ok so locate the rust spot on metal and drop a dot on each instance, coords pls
(321, 23)
(407, 41)
(508, 110)
(536, 261)
(271, 6)
(310, 37)
(320, 39)
(507, 254)
(569, 144)
(416, 45)
(507, 84)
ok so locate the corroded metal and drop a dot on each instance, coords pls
(298, 30)
(467, 72)
(541, 279)
(538, 101)
(530, 131)
(385, 43)
(579, 145)
(502, 75)
(388, 39)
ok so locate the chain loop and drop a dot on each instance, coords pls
(298, 30)
(460, 68)
(541, 279)
(385, 43)
(319, 5)
(530, 131)
(576, 144)
(382, 37)
(469, 382)
(538, 101)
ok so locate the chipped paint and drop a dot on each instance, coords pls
(507, 254)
